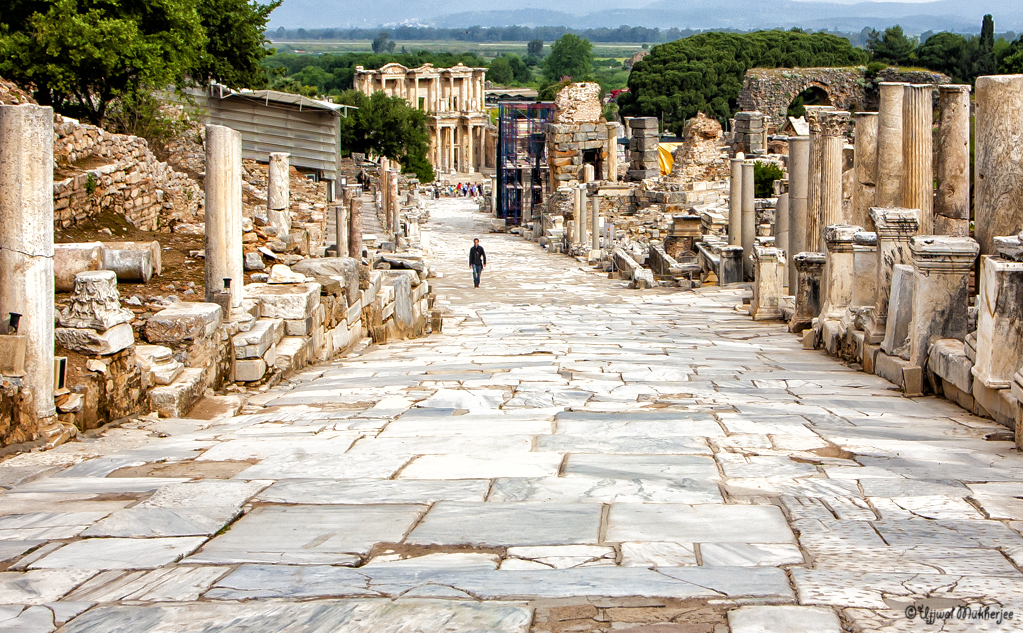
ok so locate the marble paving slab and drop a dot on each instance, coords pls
(508, 524)
(697, 523)
(119, 553)
(363, 491)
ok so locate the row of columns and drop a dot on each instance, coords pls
(441, 94)
(742, 214)
(467, 138)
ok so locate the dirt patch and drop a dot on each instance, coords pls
(191, 469)
(836, 452)
(648, 616)
(415, 551)
(64, 170)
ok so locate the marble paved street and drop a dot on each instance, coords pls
(569, 455)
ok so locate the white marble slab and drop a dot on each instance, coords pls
(697, 523)
(657, 554)
(783, 619)
(169, 584)
(371, 491)
(508, 524)
(325, 466)
(119, 553)
(682, 468)
(750, 555)
(479, 467)
(39, 586)
(578, 488)
(152, 522)
(206, 493)
(564, 556)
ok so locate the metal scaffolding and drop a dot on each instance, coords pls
(522, 160)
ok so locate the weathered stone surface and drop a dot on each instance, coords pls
(941, 293)
(998, 186)
(285, 301)
(96, 303)
(129, 264)
(184, 321)
(281, 274)
(999, 326)
(102, 343)
(900, 312)
(71, 259)
(344, 269)
(159, 363)
(177, 399)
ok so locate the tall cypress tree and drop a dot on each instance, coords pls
(986, 49)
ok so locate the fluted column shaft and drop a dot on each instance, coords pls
(952, 202)
(918, 153)
(889, 145)
(998, 193)
(813, 186)
(832, 140)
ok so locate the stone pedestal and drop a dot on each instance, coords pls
(918, 153)
(278, 192)
(838, 278)
(998, 184)
(735, 202)
(999, 326)
(749, 217)
(799, 165)
(832, 139)
(810, 266)
(894, 228)
(577, 214)
(26, 241)
(224, 258)
(941, 298)
(889, 145)
(769, 273)
(730, 269)
(865, 164)
(864, 270)
(952, 202)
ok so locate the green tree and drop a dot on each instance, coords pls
(81, 55)
(986, 48)
(764, 175)
(500, 72)
(387, 126)
(535, 48)
(1012, 63)
(948, 53)
(520, 71)
(892, 47)
(382, 43)
(235, 42)
(705, 72)
(570, 56)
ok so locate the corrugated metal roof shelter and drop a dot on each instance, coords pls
(272, 121)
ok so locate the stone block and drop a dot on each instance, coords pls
(177, 399)
(299, 327)
(1000, 404)
(869, 357)
(71, 259)
(249, 369)
(900, 312)
(643, 123)
(292, 353)
(254, 261)
(154, 249)
(255, 342)
(285, 301)
(158, 362)
(130, 265)
(947, 359)
(89, 341)
(12, 355)
(900, 372)
(184, 321)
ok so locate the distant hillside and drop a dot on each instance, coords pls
(915, 17)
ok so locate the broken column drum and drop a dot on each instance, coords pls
(952, 202)
(918, 153)
(735, 202)
(26, 241)
(998, 184)
(832, 140)
(749, 217)
(224, 258)
(894, 228)
(889, 145)
(865, 164)
(799, 165)
(278, 190)
(808, 291)
(941, 291)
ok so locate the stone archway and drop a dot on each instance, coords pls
(772, 90)
(812, 94)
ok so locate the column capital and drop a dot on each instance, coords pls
(833, 123)
(895, 222)
(812, 116)
(943, 254)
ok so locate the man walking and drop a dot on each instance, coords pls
(477, 261)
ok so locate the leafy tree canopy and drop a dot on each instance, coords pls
(892, 46)
(535, 48)
(235, 42)
(571, 56)
(387, 126)
(704, 73)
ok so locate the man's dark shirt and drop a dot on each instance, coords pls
(477, 257)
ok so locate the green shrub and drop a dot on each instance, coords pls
(764, 175)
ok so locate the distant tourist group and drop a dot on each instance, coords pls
(461, 190)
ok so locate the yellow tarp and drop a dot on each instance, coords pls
(666, 156)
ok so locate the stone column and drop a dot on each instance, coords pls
(832, 139)
(26, 241)
(894, 229)
(999, 326)
(278, 192)
(942, 268)
(781, 232)
(355, 226)
(889, 145)
(451, 150)
(587, 173)
(918, 153)
(735, 202)
(583, 224)
(998, 184)
(814, 228)
(838, 277)
(471, 153)
(808, 292)
(749, 218)
(799, 165)
(952, 202)
(769, 275)
(865, 158)
(577, 214)
(395, 204)
(493, 195)
(224, 213)
(595, 225)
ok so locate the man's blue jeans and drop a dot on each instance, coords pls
(477, 270)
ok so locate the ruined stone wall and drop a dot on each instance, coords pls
(700, 157)
(771, 90)
(99, 171)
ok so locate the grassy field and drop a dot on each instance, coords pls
(489, 50)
